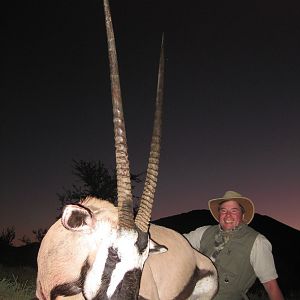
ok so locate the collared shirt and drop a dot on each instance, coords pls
(261, 257)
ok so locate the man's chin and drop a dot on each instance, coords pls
(228, 226)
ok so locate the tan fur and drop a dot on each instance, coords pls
(63, 252)
(164, 275)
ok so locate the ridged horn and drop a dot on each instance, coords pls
(125, 202)
(145, 209)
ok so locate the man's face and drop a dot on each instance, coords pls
(230, 215)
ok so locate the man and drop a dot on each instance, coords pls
(239, 252)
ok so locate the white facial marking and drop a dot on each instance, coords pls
(103, 239)
(129, 256)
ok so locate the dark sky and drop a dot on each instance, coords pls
(231, 119)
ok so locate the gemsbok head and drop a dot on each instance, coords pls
(98, 251)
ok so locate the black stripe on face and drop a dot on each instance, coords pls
(71, 288)
(109, 267)
(128, 288)
(188, 289)
(142, 240)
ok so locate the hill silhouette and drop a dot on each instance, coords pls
(285, 241)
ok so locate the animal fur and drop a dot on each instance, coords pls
(175, 274)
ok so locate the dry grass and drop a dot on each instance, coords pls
(17, 283)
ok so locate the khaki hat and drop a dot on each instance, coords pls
(246, 203)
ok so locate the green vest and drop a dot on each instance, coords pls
(236, 275)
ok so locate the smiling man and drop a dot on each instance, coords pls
(240, 253)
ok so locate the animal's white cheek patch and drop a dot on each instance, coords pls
(103, 237)
(130, 258)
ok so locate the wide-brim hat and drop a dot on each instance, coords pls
(246, 203)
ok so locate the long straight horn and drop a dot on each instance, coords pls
(125, 203)
(145, 209)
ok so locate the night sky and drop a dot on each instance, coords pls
(232, 101)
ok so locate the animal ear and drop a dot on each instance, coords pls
(76, 217)
(156, 248)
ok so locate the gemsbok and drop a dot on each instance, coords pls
(99, 251)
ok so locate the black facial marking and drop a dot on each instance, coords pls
(71, 288)
(128, 288)
(109, 267)
(142, 240)
(188, 289)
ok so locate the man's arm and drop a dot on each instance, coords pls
(273, 290)
(262, 260)
(194, 237)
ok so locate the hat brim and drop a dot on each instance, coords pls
(247, 204)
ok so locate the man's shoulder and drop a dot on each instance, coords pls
(195, 236)
(262, 240)
(200, 229)
(197, 233)
(252, 230)
(204, 228)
